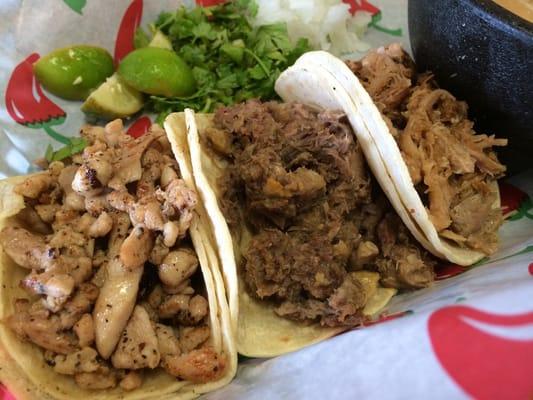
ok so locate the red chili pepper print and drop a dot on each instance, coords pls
(139, 127)
(511, 197)
(364, 5)
(27, 104)
(361, 5)
(515, 202)
(477, 349)
(25, 100)
(126, 32)
(448, 271)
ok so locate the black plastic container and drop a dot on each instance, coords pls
(483, 54)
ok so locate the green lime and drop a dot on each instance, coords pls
(157, 71)
(160, 40)
(73, 72)
(113, 99)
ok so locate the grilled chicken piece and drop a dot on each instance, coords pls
(137, 247)
(198, 366)
(37, 218)
(191, 337)
(177, 266)
(128, 167)
(178, 197)
(197, 310)
(83, 360)
(42, 330)
(80, 304)
(102, 226)
(131, 381)
(173, 305)
(34, 185)
(138, 347)
(114, 305)
(169, 344)
(121, 224)
(84, 329)
(26, 249)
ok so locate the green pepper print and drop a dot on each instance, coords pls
(76, 5)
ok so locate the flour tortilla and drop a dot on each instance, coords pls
(259, 331)
(316, 73)
(22, 366)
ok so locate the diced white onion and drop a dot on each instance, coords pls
(326, 23)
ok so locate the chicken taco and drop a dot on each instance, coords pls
(110, 279)
(309, 244)
(439, 174)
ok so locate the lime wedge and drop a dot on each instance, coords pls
(160, 40)
(113, 99)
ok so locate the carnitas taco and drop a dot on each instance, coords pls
(309, 244)
(441, 176)
(110, 279)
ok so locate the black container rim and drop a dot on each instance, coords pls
(505, 19)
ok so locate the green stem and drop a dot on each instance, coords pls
(263, 67)
(374, 24)
(55, 135)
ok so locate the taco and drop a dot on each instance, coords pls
(309, 244)
(110, 280)
(441, 176)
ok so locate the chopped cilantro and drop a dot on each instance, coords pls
(231, 60)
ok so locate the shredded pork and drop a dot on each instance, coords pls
(451, 166)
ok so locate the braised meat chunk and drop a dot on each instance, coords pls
(299, 182)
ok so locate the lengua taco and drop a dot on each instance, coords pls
(310, 245)
(110, 279)
(441, 176)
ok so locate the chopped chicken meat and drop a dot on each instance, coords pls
(137, 247)
(138, 347)
(169, 345)
(89, 227)
(102, 226)
(84, 360)
(198, 366)
(115, 305)
(34, 185)
(177, 266)
(84, 329)
(43, 330)
(191, 337)
(26, 249)
(131, 381)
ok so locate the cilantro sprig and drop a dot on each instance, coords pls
(231, 60)
(75, 146)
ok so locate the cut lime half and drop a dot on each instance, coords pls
(113, 99)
